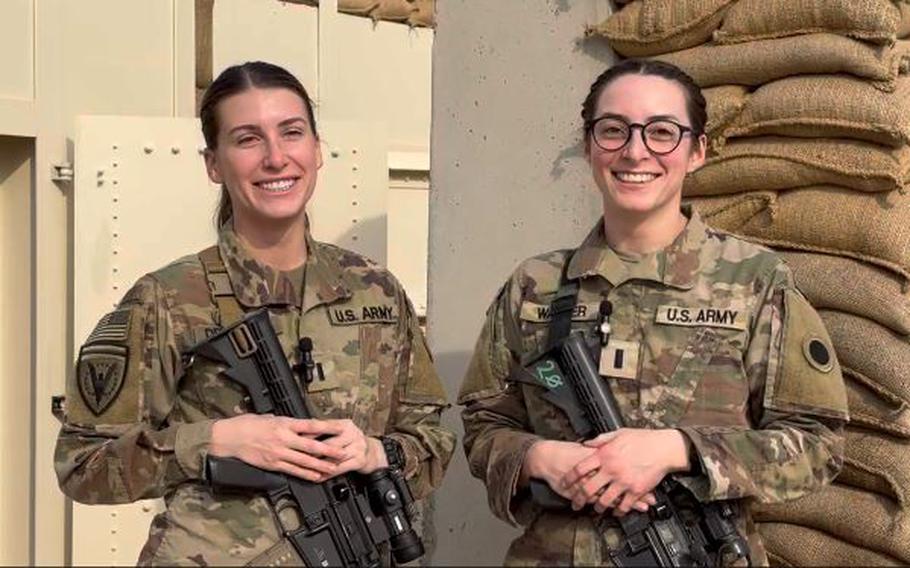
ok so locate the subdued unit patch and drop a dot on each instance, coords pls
(818, 354)
(100, 373)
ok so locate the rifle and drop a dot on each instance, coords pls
(339, 522)
(696, 534)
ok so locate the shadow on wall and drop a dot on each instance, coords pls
(598, 51)
(461, 497)
(368, 236)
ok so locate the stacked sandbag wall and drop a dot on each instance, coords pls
(415, 13)
(809, 153)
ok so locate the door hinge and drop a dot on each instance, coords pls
(62, 172)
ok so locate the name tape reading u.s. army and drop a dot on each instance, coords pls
(363, 314)
(727, 318)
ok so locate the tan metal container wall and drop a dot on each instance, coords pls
(16, 162)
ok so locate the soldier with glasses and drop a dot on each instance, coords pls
(725, 375)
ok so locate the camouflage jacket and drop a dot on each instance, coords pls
(716, 343)
(138, 420)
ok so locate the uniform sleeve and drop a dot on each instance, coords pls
(415, 419)
(798, 408)
(116, 445)
(498, 433)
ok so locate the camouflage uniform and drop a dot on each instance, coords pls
(139, 421)
(716, 343)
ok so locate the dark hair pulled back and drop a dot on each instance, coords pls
(237, 79)
(695, 100)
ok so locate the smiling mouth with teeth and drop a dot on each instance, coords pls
(629, 177)
(277, 186)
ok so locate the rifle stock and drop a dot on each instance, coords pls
(663, 536)
(339, 522)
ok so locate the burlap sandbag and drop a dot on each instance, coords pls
(903, 30)
(856, 516)
(775, 163)
(392, 10)
(749, 20)
(425, 16)
(833, 220)
(878, 463)
(832, 106)
(796, 545)
(650, 27)
(759, 62)
(874, 408)
(729, 212)
(873, 353)
(851, 286)
(724, 103)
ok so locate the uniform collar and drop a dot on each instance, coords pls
(256, 284)
(677, 265)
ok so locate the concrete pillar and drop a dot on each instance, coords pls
(509, 180)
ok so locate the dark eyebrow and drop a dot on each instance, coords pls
(255, 128)
(649, 119)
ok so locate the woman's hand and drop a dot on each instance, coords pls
(551, 461)
(361, 453)
(277, 443)
(625, 466)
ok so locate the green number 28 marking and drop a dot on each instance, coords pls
(548, 374)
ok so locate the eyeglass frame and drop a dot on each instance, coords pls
(632, 125)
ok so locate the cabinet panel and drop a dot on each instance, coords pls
(17, 53)
(16, 162)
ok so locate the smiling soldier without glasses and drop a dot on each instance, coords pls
(140, 422)
(723, 372)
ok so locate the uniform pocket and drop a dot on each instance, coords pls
(707, 385)
(379, 353)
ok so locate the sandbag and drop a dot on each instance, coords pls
(855, 516)
(795, 545)
(903, 29)
(724, 103)
(872, 353)
(775, 163)
(650, 27)
(749, 20)
(729, 212)
(833, 220)
(851, 286)
(391, 10)
(873, 408)
(425, 15)
(759, 62)
(831, 106)
(878, 463)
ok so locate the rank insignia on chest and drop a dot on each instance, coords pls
(727, 318)
(619, 359)
(100, 374)
(354, 315)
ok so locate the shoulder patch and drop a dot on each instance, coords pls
(112, 327)
(809, 377)
(367, 313)
(691, 316)
(100, 373)
(540, 313)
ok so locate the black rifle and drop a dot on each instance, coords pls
(339, 522)
(696, 534)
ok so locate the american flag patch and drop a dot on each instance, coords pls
(112, 327)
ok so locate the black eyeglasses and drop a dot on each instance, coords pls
(660, 136)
